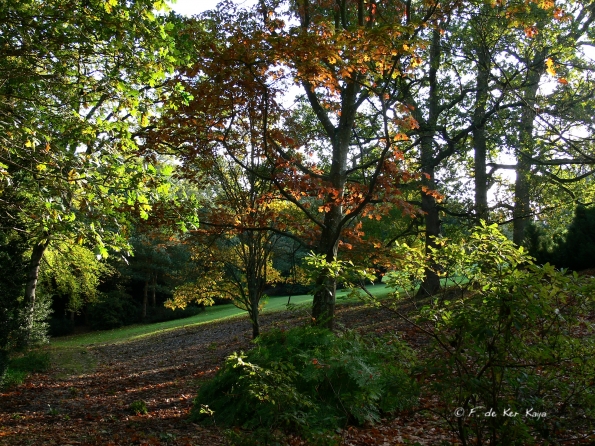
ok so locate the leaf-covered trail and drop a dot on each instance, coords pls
(165, 371)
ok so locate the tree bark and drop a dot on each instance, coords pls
(153, 291)
(431, 282)
(525, 151)
(145, 298)
(323, 304)
(254, 316)
(428, 161)
(31, 287)
(479, 134)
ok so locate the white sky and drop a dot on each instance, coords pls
(191, 7)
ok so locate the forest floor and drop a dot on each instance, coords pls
(90, 403)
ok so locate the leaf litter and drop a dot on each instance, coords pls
(90, 404)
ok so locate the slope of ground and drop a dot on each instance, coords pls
(90, 406)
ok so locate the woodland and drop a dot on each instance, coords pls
(429, 162)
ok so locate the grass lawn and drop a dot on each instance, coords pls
(216, 313)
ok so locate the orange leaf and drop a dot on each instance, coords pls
(531, 31)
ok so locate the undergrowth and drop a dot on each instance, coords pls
(20, 367)
(310, 381)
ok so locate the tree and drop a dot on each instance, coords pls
(77, 81)
(346, 57)
(234, 239)
(482, 111)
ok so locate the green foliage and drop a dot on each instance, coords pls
(72, 271)
(574, 251)
(138, 407)
(13, 266)
(344, 272)
(17, 369)
(112, 310)
(37, 332)
(308, 380)
(506, 339)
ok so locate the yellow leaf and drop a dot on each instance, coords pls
(549, 63)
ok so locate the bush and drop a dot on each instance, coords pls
(17, 369)
(308, 380)
(507, 339)
(37, 332)
(113, 309)
(139, 407)
(574, 250)
(577, 250)
(13, 265)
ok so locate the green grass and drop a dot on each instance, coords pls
(211, 314)
(19, 367)
(72, 361)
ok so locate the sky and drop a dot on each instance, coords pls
(191, 7)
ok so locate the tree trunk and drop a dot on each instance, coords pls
(31, 287)
(429, 161)
(254, 317)
(153, 291)
(431, 283)
(323, 305)
(479, 135)
(145, 298)
(525, 151)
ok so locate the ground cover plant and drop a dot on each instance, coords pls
(18, 368)
(309, 380)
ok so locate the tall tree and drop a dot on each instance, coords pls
(77, 80)
(346, 57)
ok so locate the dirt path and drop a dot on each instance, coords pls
(164, 371)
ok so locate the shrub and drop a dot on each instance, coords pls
(574, 250)
(308, 380)
(577, 250)
(139, 407)
(17, 369)
(507, 339)
(37, 332)
(13, 265)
